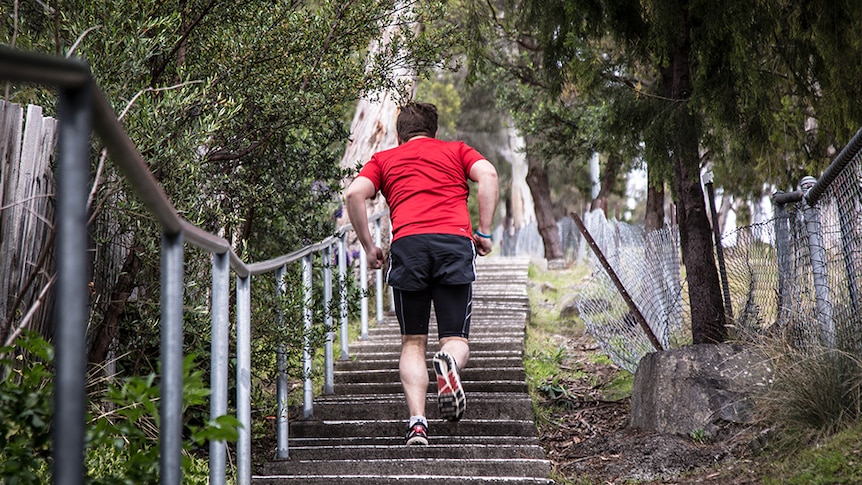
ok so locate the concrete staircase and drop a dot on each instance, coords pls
(357, 434)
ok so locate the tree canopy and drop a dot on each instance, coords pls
(761, 91)
(240, 108)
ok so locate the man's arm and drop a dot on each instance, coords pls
(485, 176)
(360, 190)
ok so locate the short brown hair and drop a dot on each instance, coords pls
(416, 119)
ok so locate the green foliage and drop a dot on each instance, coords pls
(122, 434)
(833, 461)
(239, 110)
(26, 391)
(123, 437)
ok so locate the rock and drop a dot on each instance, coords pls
(569, 309)
(697, 389)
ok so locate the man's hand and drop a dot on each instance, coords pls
(375, 258)
(483, 244)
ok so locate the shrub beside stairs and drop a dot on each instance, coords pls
(357, 434)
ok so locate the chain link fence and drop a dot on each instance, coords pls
(794, 276)
(648, 267)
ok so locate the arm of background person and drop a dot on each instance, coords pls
(485, 176)
(360, 190)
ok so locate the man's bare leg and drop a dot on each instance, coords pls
(454, 353)
(458, 348)
(414, 372)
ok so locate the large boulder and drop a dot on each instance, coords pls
(697, 389)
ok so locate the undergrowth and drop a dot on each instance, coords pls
(811, 415)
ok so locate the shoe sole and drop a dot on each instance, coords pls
(417, 441)
(450, 394)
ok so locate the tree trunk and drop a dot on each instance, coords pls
(654, 218)
(373, 126)
(105, 333)
(707, 310)
(608, 179)
(537, 179)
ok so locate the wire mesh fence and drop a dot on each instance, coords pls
(648, 266)
(794, 276)
(798, 274)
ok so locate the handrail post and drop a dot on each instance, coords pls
(281, 384)
(243, 379)
(329, 365)
(363, 297)
(342, 288)
(308, 385)
(171, 403)
(819, 270)
(378, 295)
(70, 312)
(782, 249)
(219, 360)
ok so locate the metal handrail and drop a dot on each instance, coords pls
(810, 191)
(81, 99)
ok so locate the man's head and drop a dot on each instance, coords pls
(416, 119)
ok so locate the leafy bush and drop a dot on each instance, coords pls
(26, 391)
(122, 433)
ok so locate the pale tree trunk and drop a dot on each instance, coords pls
(519, 208)
(373, 126)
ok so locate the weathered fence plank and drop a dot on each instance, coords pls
(26, 212)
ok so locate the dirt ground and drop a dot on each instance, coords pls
(588, 441)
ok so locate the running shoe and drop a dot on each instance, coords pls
(450, 394)
(417, 434)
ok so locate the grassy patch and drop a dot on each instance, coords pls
(836, 460)
(551, 361)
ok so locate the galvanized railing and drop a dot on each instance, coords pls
(82, 108)
(845, 197)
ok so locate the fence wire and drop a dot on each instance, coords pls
(648, 266)
(795, 276)
(810, 291)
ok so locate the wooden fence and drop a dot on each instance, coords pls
(26, 218)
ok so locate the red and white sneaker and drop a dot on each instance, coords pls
(450, 394)
(417, 434)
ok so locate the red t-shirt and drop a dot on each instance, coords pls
(425, 184)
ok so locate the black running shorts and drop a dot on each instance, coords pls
(436, 268)
(420, 261)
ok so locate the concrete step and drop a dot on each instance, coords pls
(470, 467)
(480, 405)
(393, 352)
(424, 479)
(399, 451)
(362, 362)
(391, 334)
(503, 343)
(395, 441)
(394, 387)
(391, 375)
(489, 325)
(307, 428)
